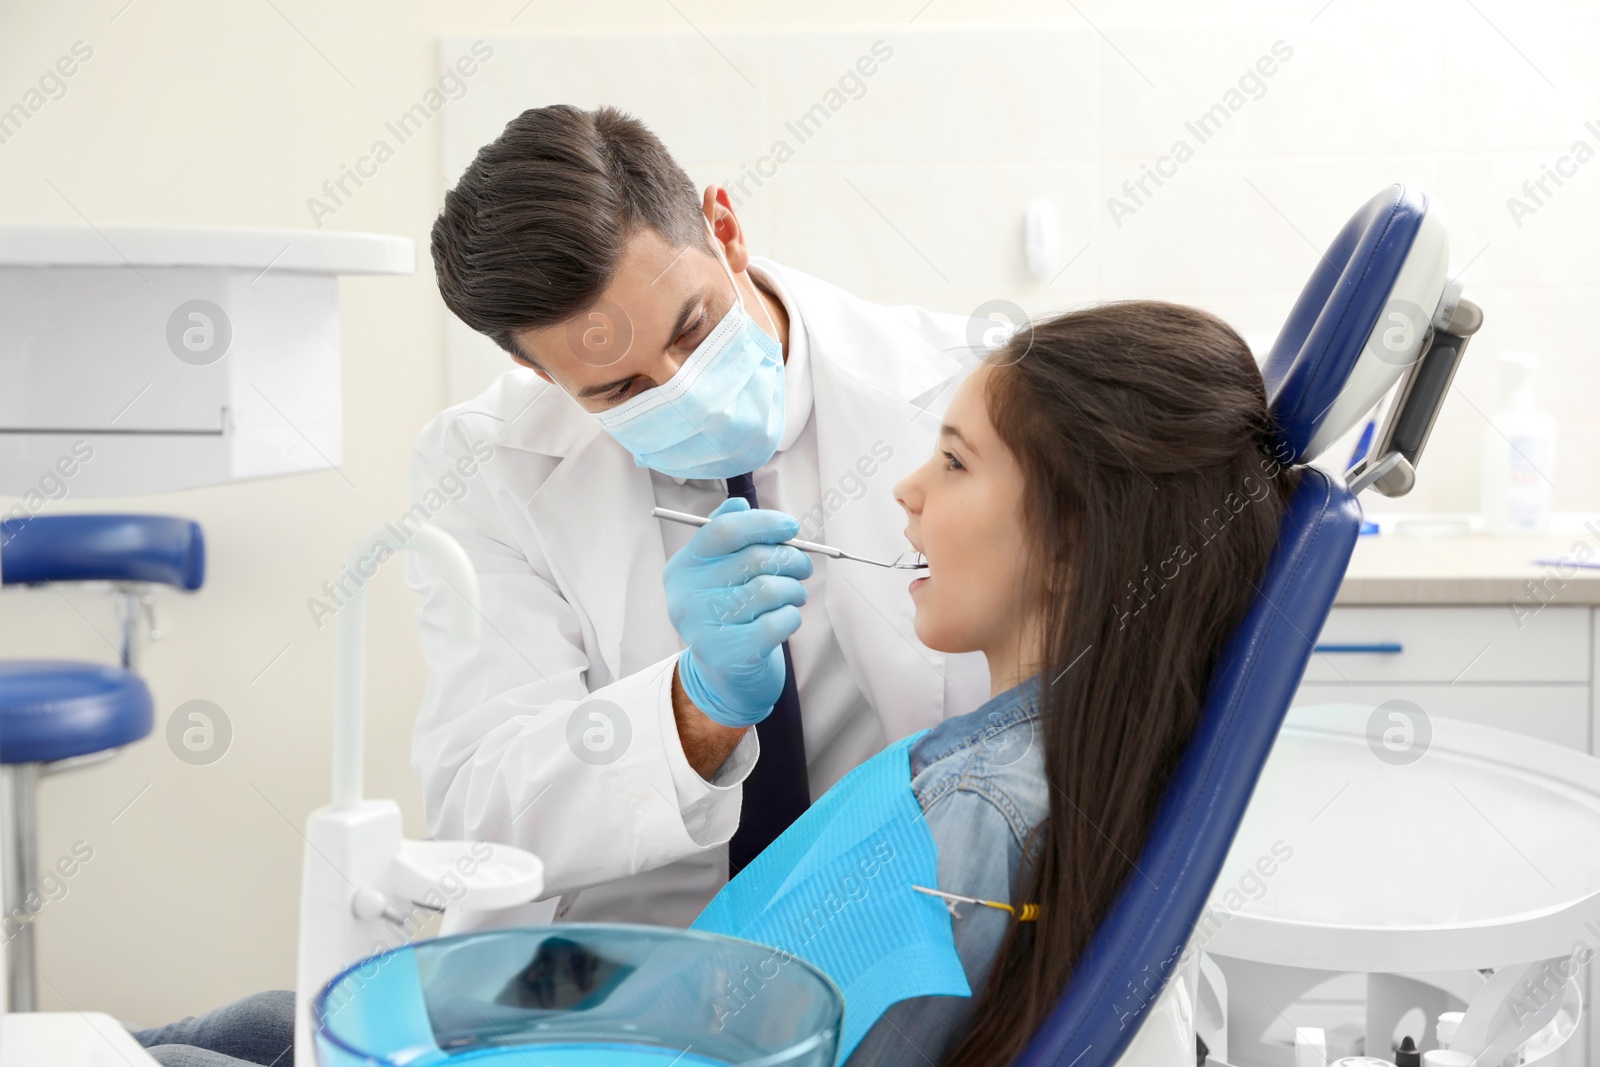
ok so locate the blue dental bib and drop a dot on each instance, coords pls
(835, 890)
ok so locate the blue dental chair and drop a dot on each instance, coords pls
(58, 715)
(1379, 314)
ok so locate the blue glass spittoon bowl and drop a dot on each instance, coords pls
(554, 996)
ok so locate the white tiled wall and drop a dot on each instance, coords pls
(914, 188)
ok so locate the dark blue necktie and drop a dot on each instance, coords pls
(777, 791)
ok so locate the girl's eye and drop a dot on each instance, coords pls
(952, 463)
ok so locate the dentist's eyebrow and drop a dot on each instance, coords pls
(684, 314)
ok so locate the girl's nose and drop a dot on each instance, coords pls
(906, 494)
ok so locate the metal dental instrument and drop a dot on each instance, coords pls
(1028, 913)
(805, 546)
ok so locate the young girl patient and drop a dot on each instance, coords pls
(1100, 505)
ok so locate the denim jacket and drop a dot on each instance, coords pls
(980, 780)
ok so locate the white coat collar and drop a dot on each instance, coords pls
(797, 390)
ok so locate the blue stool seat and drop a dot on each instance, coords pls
(117, 548)
(53, 709)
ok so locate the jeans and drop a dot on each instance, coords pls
(258, 1029)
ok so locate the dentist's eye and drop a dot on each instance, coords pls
(619, 392)
(686, 339)
(952, 463)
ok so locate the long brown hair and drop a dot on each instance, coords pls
(1154, 502)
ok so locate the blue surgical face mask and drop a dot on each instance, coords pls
(720, 415)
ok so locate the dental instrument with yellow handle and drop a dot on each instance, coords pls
(1026, 914)
(805, 546)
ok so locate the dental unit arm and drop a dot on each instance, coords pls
(364, 887)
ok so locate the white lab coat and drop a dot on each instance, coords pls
(557, 523)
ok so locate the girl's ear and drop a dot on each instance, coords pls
(1053, 587)
(1057, 582)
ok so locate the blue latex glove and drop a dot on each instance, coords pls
(734, 596)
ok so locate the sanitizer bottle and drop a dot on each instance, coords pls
(1519, 456)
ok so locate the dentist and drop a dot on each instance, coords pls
(651, 704)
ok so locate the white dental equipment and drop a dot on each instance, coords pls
(361, 878)
(1410, 871)
(813, 547)
(184, 357)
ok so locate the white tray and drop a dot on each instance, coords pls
(1485, 851)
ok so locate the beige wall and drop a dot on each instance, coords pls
(234, 114)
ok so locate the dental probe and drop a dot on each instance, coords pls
(805, 546)
(1027, 914)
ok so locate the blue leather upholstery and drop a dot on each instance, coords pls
(1337, 309)
(82, 548)
(54, 709)
(1138, 945)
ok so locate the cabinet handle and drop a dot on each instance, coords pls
(1387, 648)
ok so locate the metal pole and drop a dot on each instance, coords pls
(19, 869)
(127, 614)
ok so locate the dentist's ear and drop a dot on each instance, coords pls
(718, 210)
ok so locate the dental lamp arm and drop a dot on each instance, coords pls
(350, 637)
(362, 882)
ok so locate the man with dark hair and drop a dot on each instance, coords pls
(604, 720)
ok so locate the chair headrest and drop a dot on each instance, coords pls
(1360, 321)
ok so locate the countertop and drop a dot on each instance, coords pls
(1394, 567)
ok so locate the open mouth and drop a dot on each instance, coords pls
(914, 559)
